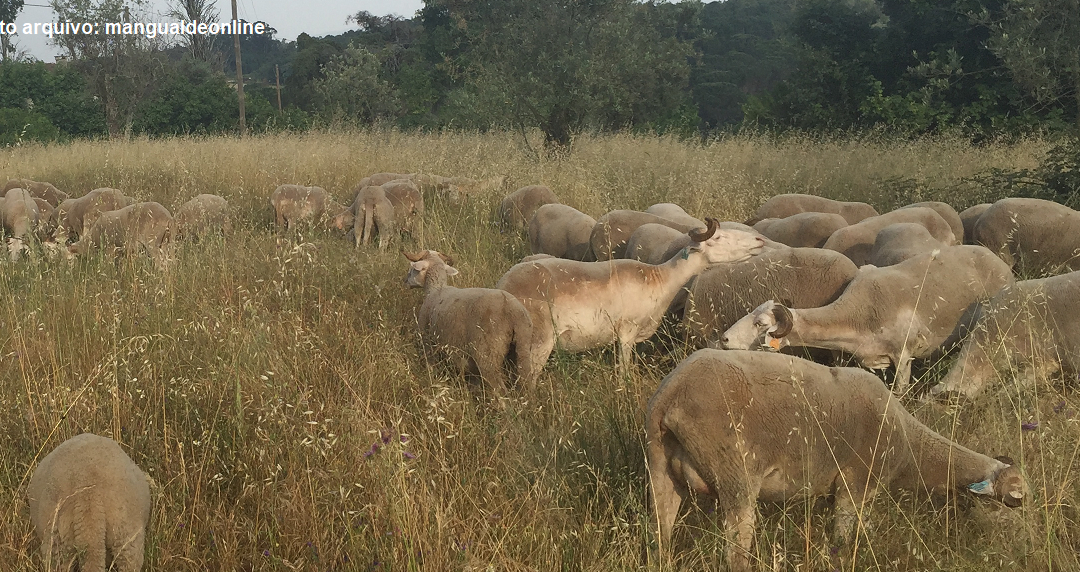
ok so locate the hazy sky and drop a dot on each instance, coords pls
(289, 17)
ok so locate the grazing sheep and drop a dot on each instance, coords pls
(1033, 236)
(141, 227)
(294, 204)
(1032, 326)
(583, 305)
(855, 241)
(797, 277)
(783, 206)
(378, 180)
(46, 219)
(947, 213)
(675, 213)
(613, 230)
(898, 242)
(76, 216)
(372, 211)
(886, 316)
(482, 326)
(408, 204)
(969, 217)
(516, 210)
(19, 218)
(38, 190)
(201, 216)
(745, 427)
(655, 243)
(561, 231)
(809, 229)
(90, 503)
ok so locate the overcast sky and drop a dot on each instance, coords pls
(289, 17)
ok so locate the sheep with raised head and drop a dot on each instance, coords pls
(783, 206)
(1032, 326)
(561, 231)
(201, 216)
(1033, 236)
(809, 229)
(517, 208)
(855, 241)
(744, 427)
(90, 504)
(480, 327)
(886, 316)
(37, 189)
(968, 218)
(898, 242)
(296, 204)
(139, 228)
(76, 216)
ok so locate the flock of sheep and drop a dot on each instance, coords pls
(738, 425)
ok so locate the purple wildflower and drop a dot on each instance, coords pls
(266, 553)
(408, 455)
(1030, 426)
(834, 550)
(1059, 407)
(404, 438)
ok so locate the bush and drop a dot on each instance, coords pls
(19, 125)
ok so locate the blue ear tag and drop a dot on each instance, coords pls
(685, 253)
(980, 488)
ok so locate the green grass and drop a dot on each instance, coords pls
(251, 376)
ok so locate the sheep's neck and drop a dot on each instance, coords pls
(933, 462)
(820, 328)
(677, 271)
(434, 279)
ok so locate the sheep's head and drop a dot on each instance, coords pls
(766, 326)
(723, 245)
(421, 262)
(339, 216)
(1007, 484)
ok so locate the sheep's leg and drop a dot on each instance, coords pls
(850, 502)
(668, 490)
(490, 364)
(739, 522)
(129, 556)
(626, 355)
(15, 247)
(903, 373)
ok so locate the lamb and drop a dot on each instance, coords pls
(613, 230)
(38, 190)
(855, 241)
(1031, 326)
(886, 316)
(797, 277)
(561, 231)
(898, 242)
(783, 206)
(90, 503)
(141, 227)
(675, 213)
(745, 427)
(809, 229)
(583, 305)
(1033, 236)
(372, 211)
(19, 218)
(516, 210)
(947, 213)
(76, 216)
(969, 217)
(201, 216)
(294, 204)
(482, 326)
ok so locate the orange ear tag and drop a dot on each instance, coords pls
(774, 343)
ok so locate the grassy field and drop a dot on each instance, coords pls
(277, 394)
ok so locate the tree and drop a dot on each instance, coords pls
(200, 46)
(9, 10)
(351, 86)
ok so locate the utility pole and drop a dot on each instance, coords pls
(239, 68)
(277, 74)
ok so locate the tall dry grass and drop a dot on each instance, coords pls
(277, 394)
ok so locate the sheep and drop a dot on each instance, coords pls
(797, 277)
(855, 241)
(377, 180)
(561, 231)
(296, 203)
(201, 216)
(372, 211)
(898, 242)
(38, 190)
(1031, 326)
(675, 213)
(783, 206)
(408, 204)
(1033, 236)
(46, 219)
(76, 216)
(482, 326)
(886, 316)
(90, 503)
(583, 305)
(141, 227)
(19, 216)
(461, 188)
(947, 213)
(655, 243)
(744, 427)
(516, 210)
(969, 217)
(809, 229)
(613, 230)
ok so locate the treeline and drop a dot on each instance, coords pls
(981, 67)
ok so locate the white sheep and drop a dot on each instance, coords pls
(37, 189)
(294, 204)
(203, 215)
(783, 206)
(19, 216)
(968, 218)
(76, 216)
(90, 503)
(142, 227)
(561, 231)
(898, 242)
(947, 213)
(1033, 236)
(612, 231)
(809, 229)
(516, 210)
(855, 241)
(745, 427)
(675, 213)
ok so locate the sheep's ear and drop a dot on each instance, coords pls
(783, 319)
(1006, 460)
(451, 271)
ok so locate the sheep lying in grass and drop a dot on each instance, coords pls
(886, 316)
(76, 216)
(37, 189)
(516, 210)
(203, 215)
(561, 231)
(855, 241)
(19, 218)
(1032, 326)
(91, 504)
(1033, 236)
(745, 427)
(807, 229)
(901, 241)
(294, 204)
(783, 206)
(141, 227)
(480, 327)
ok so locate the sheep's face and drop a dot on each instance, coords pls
(343, 220)
(726, 246)
(1008, 484)
(765, 327)
(422, 263)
